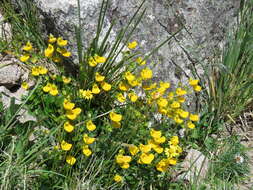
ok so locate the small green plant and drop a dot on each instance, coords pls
(231, 163)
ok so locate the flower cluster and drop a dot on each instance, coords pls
(89, 127)
(26, 52)
(156, 152)
(56, 49)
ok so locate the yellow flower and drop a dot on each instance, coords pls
(149, 87)
(51, 39)
(61, 42)
(42, 70)
(90, 126)
(53, 91)
(56, 59)
(72, 114)
(95, 89)
(70, 160)
(183, 114)
(120, 97)
(28, 47)
(162, 102)
(162, 166)
(116, 124)
(170, 96)
(146, 158)
(175, 104)
(164, 85)
(133, 97)
(99, 59)
(115, 117)
(140, 61)
(178, 120)
(86, 94)
(155, 134)
(194, 117)
(87, 139)
(181, 99)
(68, 105)
(145, 148)
(123, 161)
(106, 86)
(172, 161)
(63, 52)
(65, 146)
(174, 140)
(146, 73)
(117, 178)
(86, 151)
(133, 150)
(180, 92)
(193, 82)
(162, 111)
(155, 146)
(160, 140)
(197, 88)
(24, 58)
(123, 86)
(129, 76)
(98, 77)
(68, 127)
(25, 85)
(47, 87)
(134, 83)
(173, 151)
(92, 62)
(66, 80)
(132, 45)
(49, 51)
(190, 125)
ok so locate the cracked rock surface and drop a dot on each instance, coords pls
(204, 25)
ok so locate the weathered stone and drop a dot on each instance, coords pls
(7, 95)
(23, 116)
(5, 29)
(10, 73)
(204, 24)
(195, 166)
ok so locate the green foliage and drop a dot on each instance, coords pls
(231, 164)
(230, 83)
(23, 17)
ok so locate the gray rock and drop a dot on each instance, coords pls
(23, 116)
(204, 24)
(5, 29)
(195, 166)
(10, 73)
(7, 95)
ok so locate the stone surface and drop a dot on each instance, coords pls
(10, 73)
(204, 24)
(195, 166)
(6, 95)
(5, 29)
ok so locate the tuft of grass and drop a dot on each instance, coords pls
(24, 19)
(230, 83)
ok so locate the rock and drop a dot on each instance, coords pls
(195, 166)
(23, 116)
(5, 29)
(7, 95)
(10, 73)
(204, 24)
